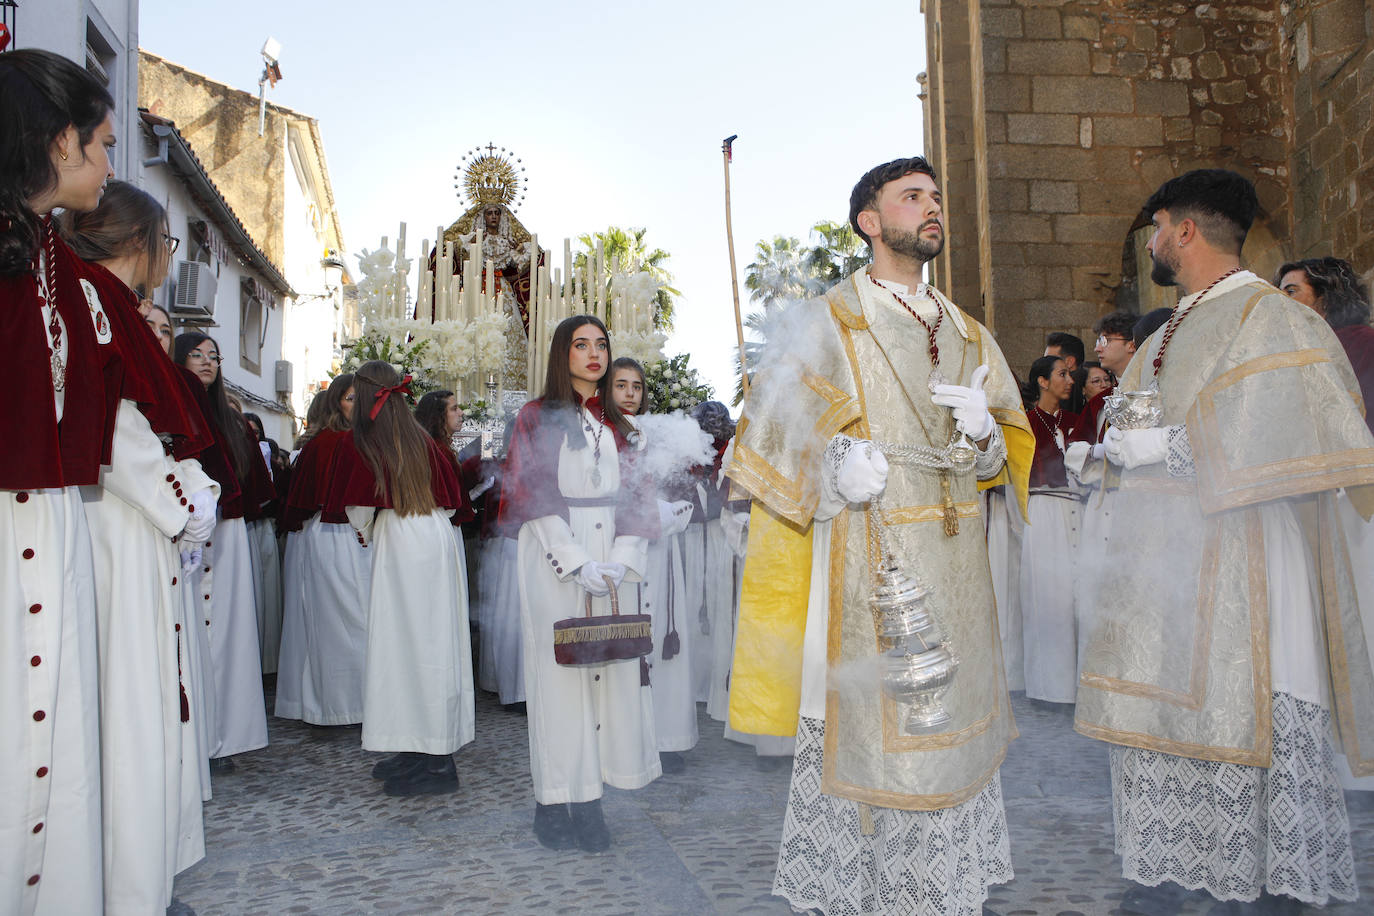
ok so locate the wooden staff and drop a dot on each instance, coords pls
(726, 151)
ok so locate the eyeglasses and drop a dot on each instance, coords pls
(1103, 338)
(210, 358)
(172, 243)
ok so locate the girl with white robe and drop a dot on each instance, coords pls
(401, 493)
(225, 574)
(65, 371)
(136, 516)
(1049, 545)
(661, 595)
(585, 520)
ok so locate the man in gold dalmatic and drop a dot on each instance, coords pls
(880, 409)
(1228, 650)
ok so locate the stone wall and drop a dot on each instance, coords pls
(1091, 104)
(221, 125)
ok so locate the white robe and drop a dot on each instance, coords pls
(337, 585)
(694, 541)
(50, 766)
(226, 580)
(1004, 530)
(722, 601)
(1048, 551)
(482, 591)
(502, 634)
(133, 516)
(661, 594)
(291, 655)
(198, 674)
(418, 693)
(592, 725)
(267, 590)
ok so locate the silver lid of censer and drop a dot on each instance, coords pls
(919, 680)
(898, 603)
(1134, 409)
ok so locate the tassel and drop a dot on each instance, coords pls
(597, 633)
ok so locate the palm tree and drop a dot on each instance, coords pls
(629, 249)
(838, 251)
(778, 273)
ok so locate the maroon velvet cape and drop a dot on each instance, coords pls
(352, 483)
(44, 453)
(530, 485)
(1358, 341)
(310, 481)
(1047, 466)
(151, 379)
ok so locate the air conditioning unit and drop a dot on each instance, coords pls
(195, 292)
(285, 375)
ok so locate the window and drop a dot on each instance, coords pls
(100, 53)
(252, 325)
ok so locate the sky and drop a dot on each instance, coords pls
(617, 110)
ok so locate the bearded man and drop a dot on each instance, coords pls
(1228, 643)
(880, 411)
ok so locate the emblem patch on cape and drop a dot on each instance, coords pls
(98, 318)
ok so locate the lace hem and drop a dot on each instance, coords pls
(1235, 830)
(844, 858)
(1178, 458)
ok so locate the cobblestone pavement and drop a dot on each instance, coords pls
(300, 827)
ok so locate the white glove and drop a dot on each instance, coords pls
(862, 474)
(589, 576)
(1099, 451)
(1133, 448)
(674, 517)
(970, 405)
(481, 488)
(616, 571)
(191, 558)
(201, 524)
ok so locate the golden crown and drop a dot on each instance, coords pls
(490, 175)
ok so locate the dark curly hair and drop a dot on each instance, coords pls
(1344, 296)
(865, 193)
(41, 95)
(1221, 202)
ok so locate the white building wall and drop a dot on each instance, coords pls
(162, 183)
(311, 322)
(61, 26)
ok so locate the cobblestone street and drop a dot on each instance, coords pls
(300, 827)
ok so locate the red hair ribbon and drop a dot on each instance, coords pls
(385, 392)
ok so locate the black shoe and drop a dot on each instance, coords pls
(222, 766)
(519, 709)
(553, 828)
(397, 764)
(436, 775)
(672, 762)
(590, 826)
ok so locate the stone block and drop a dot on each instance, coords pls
(1001, 22)
(1325, 144)
(1336, 25)
(1261, 146)
(1042, 23)
(1009, 253)
(1178, 129)
(1245, 64)
(1057, 255)
(1157, 169)
(1054, 196)
(1229, 93)
(1080, 94)
(996, 127)
(1101, 62)
(1008, 194)
(994, 55)
(1025, 227)
(1012, 161)
(1018, 282)
(1007, 93)
(1144, 38)
(1082, 27)
(1052, 130)
(1120, 198)
(1164, 98)
(1207, 137)
(1210, 65)
(1036, 57)
(1059, 313)
(1189, 39)
(1085, 133)
(1072, 227)
(1181, 68)
(1147, 131)
(1132, 63)
(1094, 284)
